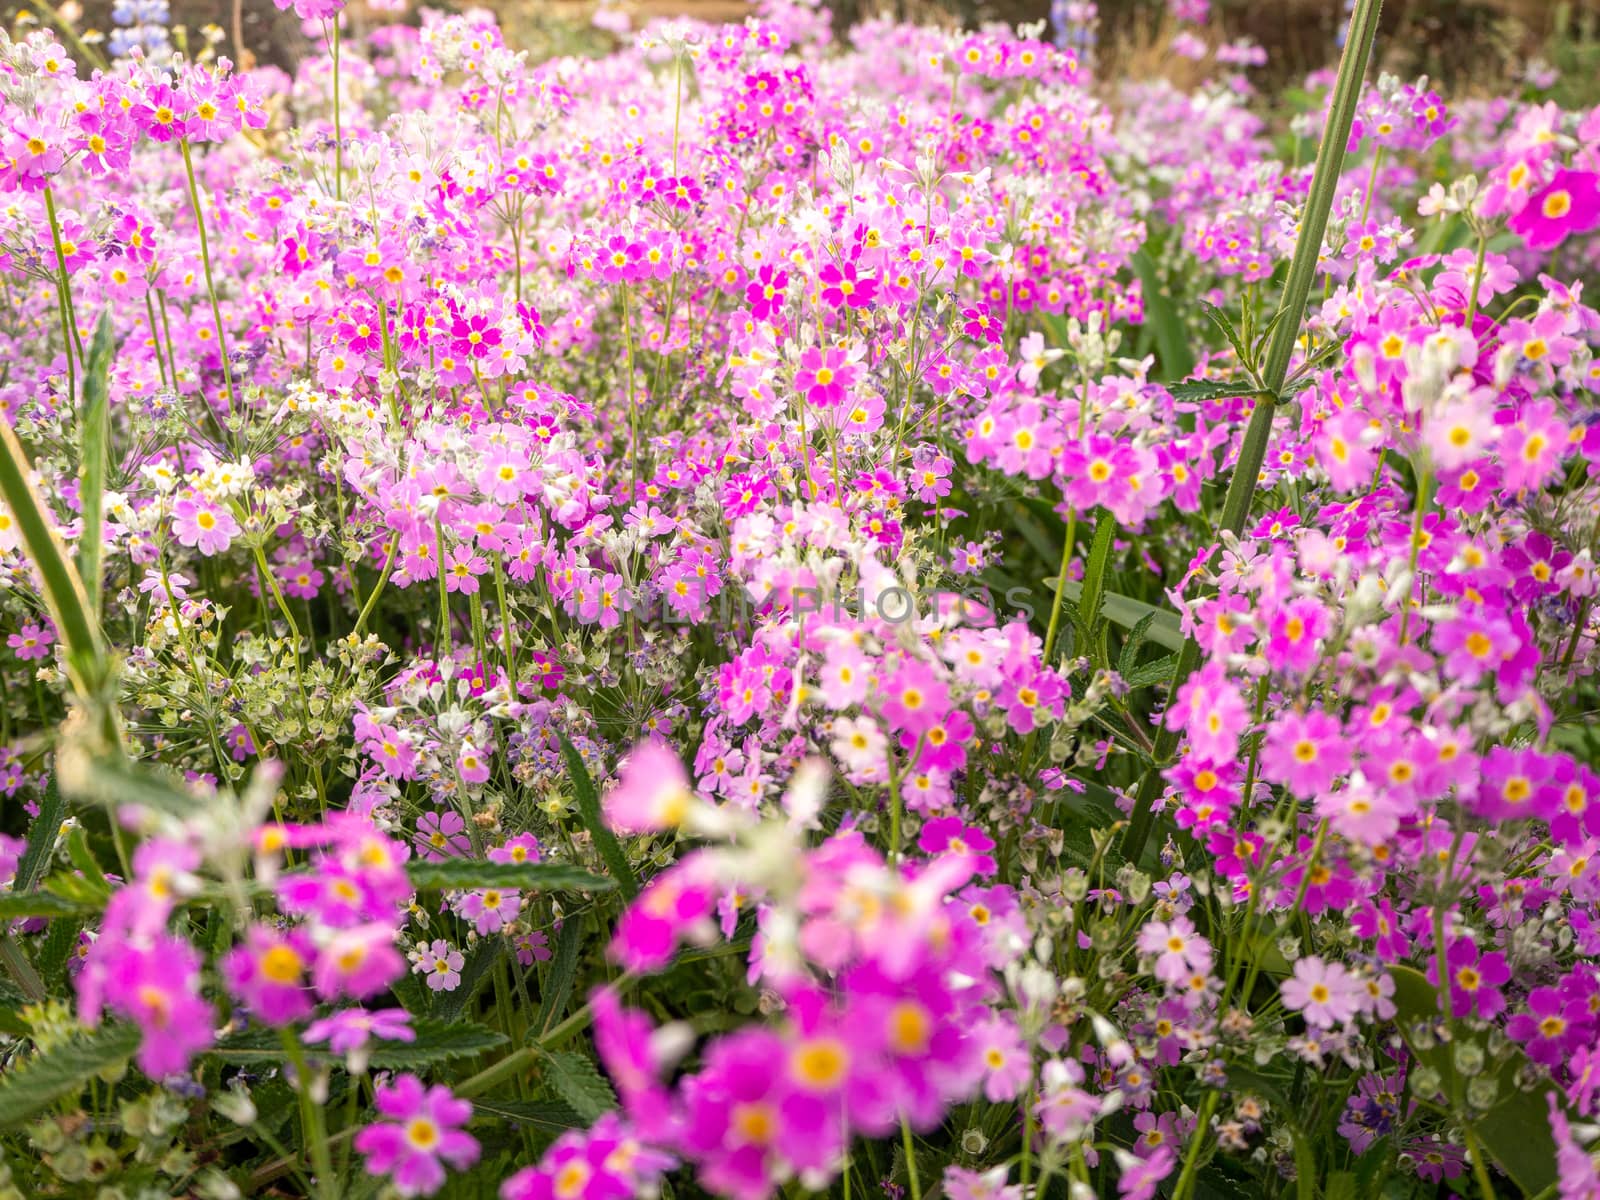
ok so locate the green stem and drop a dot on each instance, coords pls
(311, 1119)
(1280, 349)
(911, 1159)
(1191, 1161)
(205, 262)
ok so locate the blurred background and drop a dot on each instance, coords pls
(1467, 46)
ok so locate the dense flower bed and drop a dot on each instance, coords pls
(690, 622)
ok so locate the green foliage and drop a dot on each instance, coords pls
(588, 801)
(574, 1078)
(63, 1070)
(453, 874)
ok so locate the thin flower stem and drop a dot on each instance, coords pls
(205, 262)
(1280, 349)
(327, 1184)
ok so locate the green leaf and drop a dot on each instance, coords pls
(1172, 339)
(546, 1115)
(1094, 572)
(1165, 631)
(115, 782)
(575, 1080)
(437, 1041)
(88, 665)
(1516, 1130)
(45, 1078)
(56, 949)
(563, 970)
(41, 839)
(1211, 389)
(1235, 339)
(12, 1002)
(583, 791)
(83, 858)
(1128, 659)
(448, 1006)
(453, 874)
(41, 904)
(1158, 671)
(89, 894)
(95, 426)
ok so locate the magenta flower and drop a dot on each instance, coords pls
(156, 985)
(652, 793)
(268, 974)
(824, 375)
(358, 963)
(33, 641)
(1568, 204)
(421, 1135)
(1475, 979)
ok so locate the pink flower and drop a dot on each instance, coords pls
(489, 910)
(352, 1028)
(1568, 204)
(268, 974)
(823, 376)
(33, 641)
(1211, 711)
(156, 984)
(653, 793)
(1324, 993)
(441, 963)
(1179, 950)
(358, 963)
(421, 1134)
(198, 523)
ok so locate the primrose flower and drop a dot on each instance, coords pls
(420, 1137)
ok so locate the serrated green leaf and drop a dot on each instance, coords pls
(1516, 1130)
(563, 969)
(1235, 339)
(588, 799)
(12, 1002)
(82, 857)
(547, 1115)
(42, 904)
(41, 839)
(1128, 659)
(454, 874)
(45, 1078)
(1159, 671)
(437, 1041)
(448, 1006)
(56, 949)
(1094, 571)
(1211, 389)
(577, 1081)
(1165, 631)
